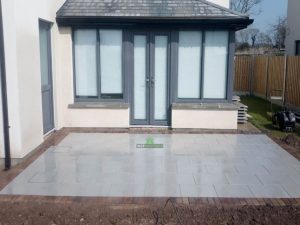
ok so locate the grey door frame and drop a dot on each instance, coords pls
(147, 120)
(150, 77)
(43, 24)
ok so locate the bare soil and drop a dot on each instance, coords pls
(292, 141)
(41, 213)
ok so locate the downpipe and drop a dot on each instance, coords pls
(7, 159)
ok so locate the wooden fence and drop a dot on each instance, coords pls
(264, 75)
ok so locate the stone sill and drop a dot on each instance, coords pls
(99, 105)
(205, 106)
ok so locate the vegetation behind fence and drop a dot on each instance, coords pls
(262, 75)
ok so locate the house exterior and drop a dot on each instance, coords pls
(116, 64)
(293, 28)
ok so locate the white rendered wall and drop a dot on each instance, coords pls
(224, 3)
(70, 117)
(204, 119)
(21, 37)
(293, 31)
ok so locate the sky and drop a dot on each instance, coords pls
(270, 11)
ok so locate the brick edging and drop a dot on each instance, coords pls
(153, 201)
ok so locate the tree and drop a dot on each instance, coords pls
(278, 31)
(253, 34)
(245, 6)
(247, 36)
(244, 37)
(264, 39)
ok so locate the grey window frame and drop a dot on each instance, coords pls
(297, 47)
(127, 60)
(98, 98)
(229, 69)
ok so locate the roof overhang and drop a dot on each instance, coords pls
(232, 23)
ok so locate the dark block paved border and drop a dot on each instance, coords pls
(120, 201)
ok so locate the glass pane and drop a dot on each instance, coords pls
(189, 64)
(111, 63)
(297, 47)
(140, 49)
(160, 71)
(85, 62)
(215, 64)
(44, 54)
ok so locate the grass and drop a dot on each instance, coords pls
(260, 112)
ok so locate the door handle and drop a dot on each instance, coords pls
(152, 82)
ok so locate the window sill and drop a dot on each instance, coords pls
(205, 106)
(99, 105)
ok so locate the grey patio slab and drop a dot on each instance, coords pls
(292, 190)
(281, 179)
(191, 168)
(243, 179)
(221, 169)
(166, 190)
(187, 165)
(209, 178)
(251, 169)
(127, 190)
(268, 191)
(197, 191)
(233, 191)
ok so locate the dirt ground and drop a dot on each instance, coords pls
(41, 213)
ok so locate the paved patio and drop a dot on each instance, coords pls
(187, 165)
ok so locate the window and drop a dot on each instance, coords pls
(215, 64)
(202, 76)
(297, 52)
(189, 64)
(86, 63)
(111, 63)
(98, 64)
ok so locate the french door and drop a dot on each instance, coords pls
(150, 104)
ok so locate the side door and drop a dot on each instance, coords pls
(46, 75)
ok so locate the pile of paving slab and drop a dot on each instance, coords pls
(242, 110)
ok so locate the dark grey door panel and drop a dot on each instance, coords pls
(46, 75)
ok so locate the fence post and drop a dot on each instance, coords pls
(267, 76)
(284, 79)
(251, 75)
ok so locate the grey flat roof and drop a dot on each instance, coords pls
(146, 9)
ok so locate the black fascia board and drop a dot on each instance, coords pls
(219, 22)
